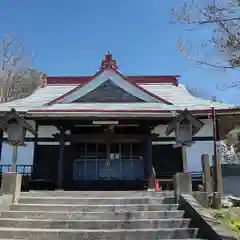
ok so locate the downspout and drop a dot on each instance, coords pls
(215, 189)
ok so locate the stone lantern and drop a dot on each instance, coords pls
(185, 126)
(15, 126)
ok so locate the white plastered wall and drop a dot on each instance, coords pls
(25, 154)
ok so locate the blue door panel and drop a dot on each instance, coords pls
(89, 168)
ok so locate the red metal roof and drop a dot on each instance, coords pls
(131, 79)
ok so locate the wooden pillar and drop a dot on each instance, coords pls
(34, 165)
(61, 157)
(1, 143)
(217, 129)
(149, 167)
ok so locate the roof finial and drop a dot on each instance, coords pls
(108, 62)
(43, 80)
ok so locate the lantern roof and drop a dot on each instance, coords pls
(183, 118)
(13, 117)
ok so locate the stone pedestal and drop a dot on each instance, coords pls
(11, 184)
(182, 183)
(216, 200)
(202, 198)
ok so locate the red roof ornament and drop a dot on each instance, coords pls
(108, 62)
(43, 80)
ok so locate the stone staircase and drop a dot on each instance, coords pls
(95, 215)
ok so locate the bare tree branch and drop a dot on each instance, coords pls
(17, 80)
(216, 21)
(233, 84)
(201, 93)
(223, 17)
(184, 51)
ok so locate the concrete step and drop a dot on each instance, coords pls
(93, 215)
(127, 239)
(95, 224)
(123, 234)
(94, 200)
(93, 208)
(96, 193)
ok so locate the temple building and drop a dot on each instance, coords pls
(109, 129)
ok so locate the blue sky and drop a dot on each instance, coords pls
(71, 37)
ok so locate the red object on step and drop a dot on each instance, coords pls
(157, 186)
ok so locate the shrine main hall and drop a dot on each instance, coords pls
(109, 130)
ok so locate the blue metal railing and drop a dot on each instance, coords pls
(22, 169)
(165, 181)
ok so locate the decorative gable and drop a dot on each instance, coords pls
(108, 92)
(108, 85)
(108, 79)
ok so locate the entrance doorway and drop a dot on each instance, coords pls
(109, 163)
